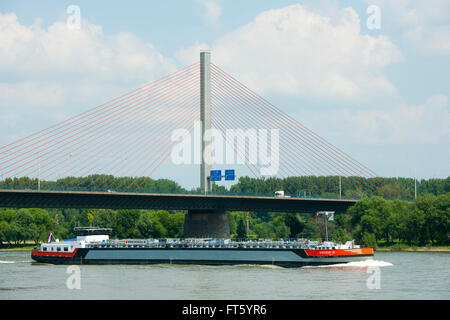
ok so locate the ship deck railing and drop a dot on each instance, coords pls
(151, 243)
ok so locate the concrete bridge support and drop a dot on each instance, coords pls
(207, 224)
(205, 118)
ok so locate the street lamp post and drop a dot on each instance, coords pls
(326, 213)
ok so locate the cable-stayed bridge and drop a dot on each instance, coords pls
(106, 156)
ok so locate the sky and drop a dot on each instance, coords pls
(377, 89)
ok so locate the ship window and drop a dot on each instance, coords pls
(44, 248)
(58, 249)
(66, 249)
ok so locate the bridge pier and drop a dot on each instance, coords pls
(207, 224)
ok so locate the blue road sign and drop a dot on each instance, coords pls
(215, 175)
(229, 174)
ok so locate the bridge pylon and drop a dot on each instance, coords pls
(205, 118)
(206, 223)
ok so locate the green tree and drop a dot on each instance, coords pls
(104, 218)
(23, 220)
(398, 219)
(340, 235)
(442, 221)
(35, 232)
(14, 232)
(265, 230)
(43, 223)
(435, 210)
(125, 223)
(241, 230)
(281, 229)
(172, 222)
(369, 240)
(294, 223)
(371, 225)
(148, 226)
(4, 231)
(233, 222)
(7, 215)
(415, 222)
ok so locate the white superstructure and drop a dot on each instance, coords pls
(85, 237)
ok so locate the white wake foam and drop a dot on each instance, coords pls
(269, 266)
(357, 264)
(2, 261)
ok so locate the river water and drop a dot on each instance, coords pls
(389, 275)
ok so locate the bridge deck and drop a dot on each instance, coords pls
(123, 200)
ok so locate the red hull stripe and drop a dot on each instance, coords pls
(53, 254)
(339, 252)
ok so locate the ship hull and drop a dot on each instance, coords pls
(204, 256)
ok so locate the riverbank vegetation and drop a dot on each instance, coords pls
(372, 221)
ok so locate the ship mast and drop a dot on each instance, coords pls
(326, 213)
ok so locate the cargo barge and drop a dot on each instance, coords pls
(93, 246)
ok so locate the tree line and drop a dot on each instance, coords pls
(333, 186)
(371, 221)
(20, 225)
(318, 186)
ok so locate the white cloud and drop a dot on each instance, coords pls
(296, 52)
(399, 125)
(211, 11)
(424, 24)
(32, 51)
(189, 55)
(48, 75)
